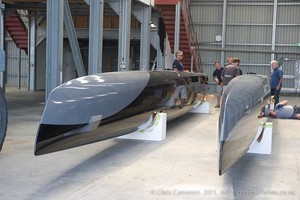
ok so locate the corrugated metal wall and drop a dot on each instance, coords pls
(249, 31)
(12, 70)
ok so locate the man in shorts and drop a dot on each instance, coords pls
(181, 85)
(218, 79)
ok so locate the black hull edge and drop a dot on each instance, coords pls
(99, 107)
(238, 121)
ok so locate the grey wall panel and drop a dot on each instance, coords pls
(288, 34)
(288, 13)
(207, 13)
(249, 57)
(250, 14)
(212, 55)
(289, 67)
(207, 33)
(287, 57)
(263, 70)
(12, 68)
(249, 34)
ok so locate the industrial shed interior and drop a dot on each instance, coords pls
(44, 44)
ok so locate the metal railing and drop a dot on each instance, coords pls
(192, 37)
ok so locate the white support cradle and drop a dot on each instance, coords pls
(265, 145)
(201, 107)
(153, 130)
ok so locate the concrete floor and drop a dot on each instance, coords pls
(184, 166)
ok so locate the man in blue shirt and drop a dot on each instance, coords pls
(276, 80)
(181, 85)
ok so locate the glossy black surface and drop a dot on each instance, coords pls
(3, 117)
(95, 120)
(238, 121)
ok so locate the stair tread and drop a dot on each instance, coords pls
(12, 19)
(16, 32)
(19, 37)
(16, 28)
(17, 41)
(8, 24)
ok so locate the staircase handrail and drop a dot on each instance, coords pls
(192, 35)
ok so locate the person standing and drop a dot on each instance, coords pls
(276, 80)
(218, 79)
(236, 62)
(181, 85)
(229, 73)
(229, 61)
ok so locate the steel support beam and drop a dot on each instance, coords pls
(19, 67)
(145, 39)
(73, 39)
(273, 44)
(124, 34)
(159, 56)
(223, 42)
(247, 50)
(155, 42)
(143, 14)
(177, 27)
(2, 7)
(54, 44)
(32, 51)
(96, 36)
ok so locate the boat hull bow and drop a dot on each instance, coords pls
(238, 121)
(98, 107)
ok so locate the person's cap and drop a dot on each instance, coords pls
(267, 110)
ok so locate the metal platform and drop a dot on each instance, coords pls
(184, 166)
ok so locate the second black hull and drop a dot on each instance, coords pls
(238, 121)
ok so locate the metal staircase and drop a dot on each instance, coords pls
(187, 35)
(17, 31)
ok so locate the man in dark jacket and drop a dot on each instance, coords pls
(218, 79)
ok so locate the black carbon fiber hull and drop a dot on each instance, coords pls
(98, 107)
(238, 121)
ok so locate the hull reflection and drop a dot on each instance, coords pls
(238, 121)
(98, 107)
